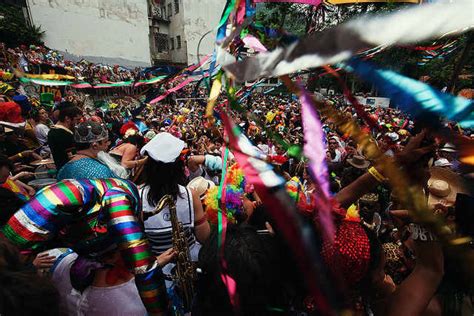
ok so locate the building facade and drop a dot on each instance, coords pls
(129, 32)
(177, 27)
(110, 31)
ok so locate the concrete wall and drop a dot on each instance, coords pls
(107, 29)
(176, 28)
(201, 16)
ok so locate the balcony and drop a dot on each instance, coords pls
(159, 16)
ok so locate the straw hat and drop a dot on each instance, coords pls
(201, 185)
(448, 147)
(358, 162)
(444, 185)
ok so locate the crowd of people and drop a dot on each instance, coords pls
(40, 59)
(93, 243)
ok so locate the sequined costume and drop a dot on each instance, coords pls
(85, 168)
(91, 216)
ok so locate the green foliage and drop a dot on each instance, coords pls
(289, 16)
(14, 30)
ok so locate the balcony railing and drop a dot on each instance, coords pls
(159, 16)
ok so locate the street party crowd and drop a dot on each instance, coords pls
(83, 229)
(40, 59)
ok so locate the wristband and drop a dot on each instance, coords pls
(420, 233)
(377, 175)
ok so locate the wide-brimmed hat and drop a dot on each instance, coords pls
(358, 162)
(442, 162)
(201, 185)
(393, 136)
(444, 185)
(448, 147)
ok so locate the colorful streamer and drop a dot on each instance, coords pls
(222, 27)
(86, 85)
(415, 97)
(19, 191)
(345, 40)
(271, 189)
(315, 150)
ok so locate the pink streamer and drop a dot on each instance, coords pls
(174, 89)
(315, 151)
(253, 42)
(240, 12)
(270, 188)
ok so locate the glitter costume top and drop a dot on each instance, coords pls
(85, 168)
(91, 216)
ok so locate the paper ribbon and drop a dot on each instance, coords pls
(270, 187)
(415, 97)
(315, 150)
(343, 41)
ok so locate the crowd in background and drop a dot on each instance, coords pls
(40, 59)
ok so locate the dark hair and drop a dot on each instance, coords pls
(253, 263)
(68, 111)
(5, 162)
(376, 253)
(137, 140)
(23, 292)
(9, 204)
(34, 113)
(163, 178)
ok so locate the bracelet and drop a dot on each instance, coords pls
(377, 175)
(201, 221)
(420, 233)
(20, 155)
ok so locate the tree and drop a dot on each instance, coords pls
(14, 30)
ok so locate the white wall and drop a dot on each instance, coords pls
(201, 16)
(115, 29)
(177, 28)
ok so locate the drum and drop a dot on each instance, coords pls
(38, 184)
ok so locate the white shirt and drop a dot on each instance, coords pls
(158, 228)
(122, 299)
(41, 132)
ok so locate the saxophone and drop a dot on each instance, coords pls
(185, 272)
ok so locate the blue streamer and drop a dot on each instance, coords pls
(413, 96)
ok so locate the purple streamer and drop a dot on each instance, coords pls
(315, 151)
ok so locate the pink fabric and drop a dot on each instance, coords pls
(253, 42)
(174, 89)
(241, 12)
(315, 150)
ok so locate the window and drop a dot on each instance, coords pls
(176, 6)
(161, 43)
(171, 43)
(170, 10)
(178, 42)
(163, 11)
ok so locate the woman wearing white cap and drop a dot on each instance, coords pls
(163, 175)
